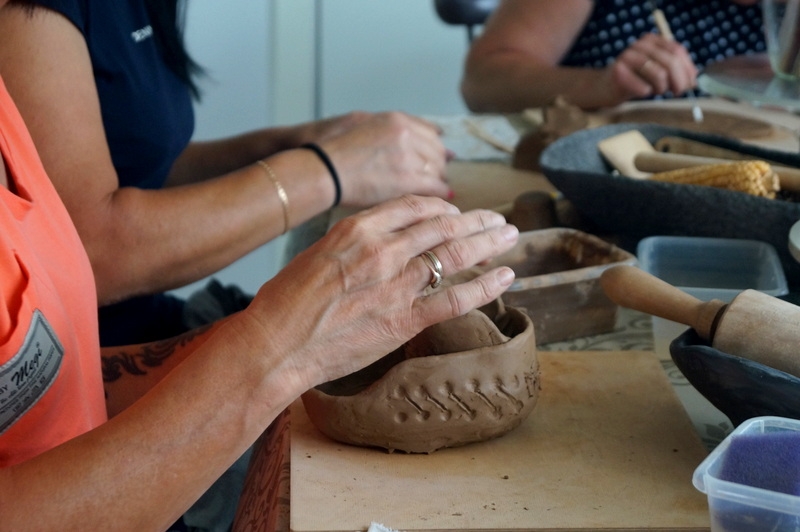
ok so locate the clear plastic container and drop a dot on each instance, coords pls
(735, 506)
(708, 268)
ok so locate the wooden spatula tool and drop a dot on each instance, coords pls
(754, 325)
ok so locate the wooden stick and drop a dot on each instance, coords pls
(478, 132)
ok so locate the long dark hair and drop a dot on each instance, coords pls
(167, 18)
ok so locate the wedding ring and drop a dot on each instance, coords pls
(432, 262)
(640, 70)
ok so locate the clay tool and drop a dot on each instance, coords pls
(663, 28)
(619, 151)
(753, 325)
(479, 132)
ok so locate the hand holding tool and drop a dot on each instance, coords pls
(666, 32)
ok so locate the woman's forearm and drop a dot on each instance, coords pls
(144, 467)
(511, 82)
(147, 241)
(203, 160)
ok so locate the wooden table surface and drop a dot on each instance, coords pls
(265, 504)
(607, 447)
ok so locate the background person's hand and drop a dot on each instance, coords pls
(363, 289)
(385, 155)
(651, 66)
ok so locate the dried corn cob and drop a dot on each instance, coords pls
(752, 177)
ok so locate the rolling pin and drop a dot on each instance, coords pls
(754, 325)
(656, 161)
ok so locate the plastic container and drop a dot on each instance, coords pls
(735, 506)
(708, 268)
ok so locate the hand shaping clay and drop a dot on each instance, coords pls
(465, 380)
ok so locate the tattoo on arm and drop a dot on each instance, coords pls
(149, 355)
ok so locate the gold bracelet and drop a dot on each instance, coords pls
(281, 193)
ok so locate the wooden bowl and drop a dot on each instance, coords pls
(448, 386)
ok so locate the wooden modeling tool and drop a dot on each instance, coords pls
(620, 150)
(663, 28)
(754, 325)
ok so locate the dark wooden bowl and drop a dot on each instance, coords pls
(739, 387)
(636, 208)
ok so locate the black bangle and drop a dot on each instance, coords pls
(327, 161)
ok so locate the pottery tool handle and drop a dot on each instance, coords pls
(662, 24)
(634, 288)
(663, 28)
(762, 328)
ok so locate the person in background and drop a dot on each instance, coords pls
(106, 89)
(601, 53)
(126, 438)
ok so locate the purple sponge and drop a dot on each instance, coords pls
(770, 461)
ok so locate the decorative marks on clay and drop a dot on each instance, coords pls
(460, 403)
(493, 410)
(444, 413)
(402, 393)
(500, 399)
(516, 404)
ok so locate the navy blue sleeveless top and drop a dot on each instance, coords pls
(709, 29)
(147, 110)
(148, 119)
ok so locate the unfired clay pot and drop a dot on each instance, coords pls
(465, 380)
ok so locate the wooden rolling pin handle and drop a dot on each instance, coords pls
(634, 288)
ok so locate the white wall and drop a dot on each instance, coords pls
(389, 54)
(232, 44)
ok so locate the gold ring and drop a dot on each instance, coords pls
(643, 66)
(435, 266)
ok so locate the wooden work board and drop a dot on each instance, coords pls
(608, 447)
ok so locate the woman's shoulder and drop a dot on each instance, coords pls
(76, 11)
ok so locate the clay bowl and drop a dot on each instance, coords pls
(740, 388)
(465, 380)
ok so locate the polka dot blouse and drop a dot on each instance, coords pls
(710, 29)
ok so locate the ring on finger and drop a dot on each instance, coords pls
(644, 65)
(435, 266)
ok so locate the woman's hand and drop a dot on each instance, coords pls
(385, 155)
(650, 66)
(363, 290)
